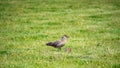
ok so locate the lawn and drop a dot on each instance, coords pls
(27, 25)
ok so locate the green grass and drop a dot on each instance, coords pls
(27, 25)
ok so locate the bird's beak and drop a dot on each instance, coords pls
(67, 36)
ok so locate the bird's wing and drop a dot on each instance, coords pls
(56, 43)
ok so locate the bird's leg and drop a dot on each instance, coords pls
(59, 49)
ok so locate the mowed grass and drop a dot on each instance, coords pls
(27, 25)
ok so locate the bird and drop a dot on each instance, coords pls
(60, 43)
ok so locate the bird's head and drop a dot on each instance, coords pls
(66, 36)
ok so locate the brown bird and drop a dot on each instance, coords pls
(60, 43)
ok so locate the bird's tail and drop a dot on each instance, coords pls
(49, 44)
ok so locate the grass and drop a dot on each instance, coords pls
(93, 27)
